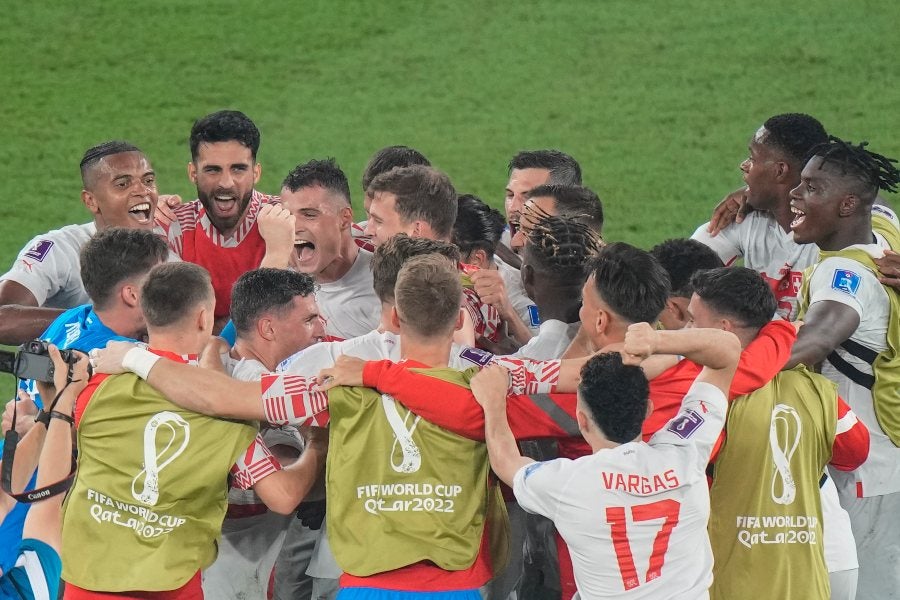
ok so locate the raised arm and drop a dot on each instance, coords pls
(489, 387)
(826, 325)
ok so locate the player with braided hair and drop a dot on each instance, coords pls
(851, 328)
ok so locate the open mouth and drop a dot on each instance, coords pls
(140, 212)
(305, 249)
(799, 217)
(225, 203)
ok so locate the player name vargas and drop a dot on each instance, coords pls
(641, 485)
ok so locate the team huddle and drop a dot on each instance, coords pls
(266, 399)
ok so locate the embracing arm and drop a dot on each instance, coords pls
(284, 490)
(826, 325)
(21, 319)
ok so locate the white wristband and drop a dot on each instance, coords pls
(139, 361)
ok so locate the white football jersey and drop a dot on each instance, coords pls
(349, 305)
(635, 516)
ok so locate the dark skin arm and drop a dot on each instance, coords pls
(21, 319)
(827, 324)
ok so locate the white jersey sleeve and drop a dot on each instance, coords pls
(49, 267)
(699, 422)
(727, 243)
(539, 487)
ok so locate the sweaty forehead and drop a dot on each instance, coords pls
(110, 167)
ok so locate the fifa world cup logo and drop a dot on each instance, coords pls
(411, 458)
(784, 437)
(176, 433)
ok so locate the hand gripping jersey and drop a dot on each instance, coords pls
(485, 318)
(416, 491)
(150, 495)
(194, 239)
(766, 517)
(635, 516)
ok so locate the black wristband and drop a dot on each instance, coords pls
(54, 414)
(42, 417)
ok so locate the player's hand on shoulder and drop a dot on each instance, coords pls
(109, 360)
(347, 370)
(211, 357)
(490, 386)
(889, 266)
(732, 209)
(640, 342)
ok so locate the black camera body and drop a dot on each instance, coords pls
(32, 361)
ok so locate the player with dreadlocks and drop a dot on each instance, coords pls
(852, 327)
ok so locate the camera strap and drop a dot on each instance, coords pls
(11, 441)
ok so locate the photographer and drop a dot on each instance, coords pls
(36, 573)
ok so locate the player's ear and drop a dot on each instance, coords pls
(395, 317)
(264, 329)
(584, 424)
(346, 215)
(479, 258)
(130, 295)
(90, 202)
(257, 172)
(192, 172)
(649, 410)
(783, 172)
(460, 320)
(848, 205)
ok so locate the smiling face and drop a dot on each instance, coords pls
(816, 204)
(323, 220)
(121, 191)
(224, 173)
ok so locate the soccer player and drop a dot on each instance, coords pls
(114, 264)
(681, 259)
(778, 151)
(119, 189)
(850, 326)
(151, 477)
(554, 260)
(767, 523)
(477, 232)
(633, 513)
(318, 195)
(275, 315)
(218, 230)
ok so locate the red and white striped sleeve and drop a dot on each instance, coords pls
(293, 400)
(253, 465)
(850, 448)
(530, 376)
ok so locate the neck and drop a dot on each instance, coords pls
(559, 303)
(123, 320)
(782, 211)
(171, 339)
(244, 348)
(858, 231)
(432, 352)
(342, 263)
(385, 324)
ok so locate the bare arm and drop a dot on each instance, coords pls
(190, 387)
(44, 519)
(489, 387)
(21, 319)
(717, 350)
(284, 490)
(826, 325)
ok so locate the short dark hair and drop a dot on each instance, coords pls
(225, 126)
(389, 158)
(631, 282)
(423, 193)
(116, 254)
(563, 168)
(392, 254)
(616, 395)
(794, 134)
(94, 154)
(261, 290)
(874, 171)
(738, 293)
(560, 248)
(325, 173)
(171, 290)
(681, 258)
(477, 226)
(428, 294)
(575, 201)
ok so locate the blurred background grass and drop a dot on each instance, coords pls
(656, 100)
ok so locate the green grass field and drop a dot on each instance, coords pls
(656, 100)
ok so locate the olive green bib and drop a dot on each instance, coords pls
(150, 493)
(402, 490)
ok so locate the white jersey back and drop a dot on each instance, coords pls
(635, 516)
